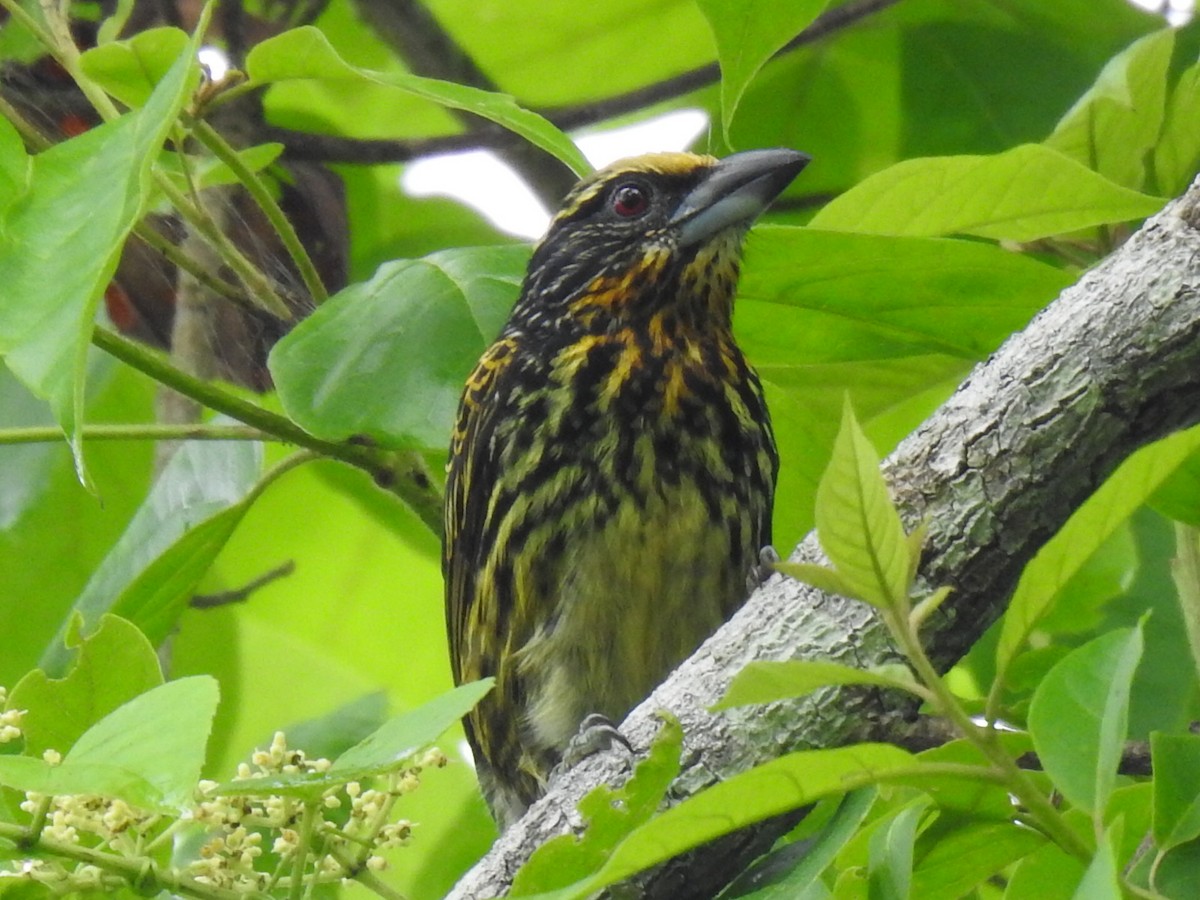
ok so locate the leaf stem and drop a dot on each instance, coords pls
(210, 138)
(136, 432)
(136, 871)
(403, 473)
(1040, 810)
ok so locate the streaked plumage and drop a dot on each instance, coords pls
(612, 469)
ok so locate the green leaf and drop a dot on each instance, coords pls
(759, 793)
(1100, 880)
(402, 736)
(899, 333)
(967, 854)
(748, 33)
(148, 751)
(1046, 874)
(112, 666)
(891, 854)
(857, 523)
(1176, 788)
(1022, 194)
(821, 577)
(159, 736)
(388, 358)
(130, 70)
(928, 605)
(389, 747)
(611, 814)
(980, 798)
(14, 165)
(1177, 153)
(305, 53)
(85, 196)
(1114, 127)
(1066, 553)
(150, 574)
(818, 851)
(1079, 717)
(766, 682)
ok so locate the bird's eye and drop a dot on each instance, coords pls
(630, 200)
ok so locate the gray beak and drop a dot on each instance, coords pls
(735, 192)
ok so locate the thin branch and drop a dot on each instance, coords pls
(52, 434)
(331, 149)
(404, 474)
(431, 51)
(242, 594)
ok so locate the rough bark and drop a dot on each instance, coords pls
(1112, 364)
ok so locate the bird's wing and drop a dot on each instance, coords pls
(471, 475)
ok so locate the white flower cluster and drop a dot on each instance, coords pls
(93, 843)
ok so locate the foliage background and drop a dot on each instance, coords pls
(885, 313)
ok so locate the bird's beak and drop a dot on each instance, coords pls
(734, 192)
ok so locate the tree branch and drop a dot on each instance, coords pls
(430, 50)
(488, 136)
(1111, 365)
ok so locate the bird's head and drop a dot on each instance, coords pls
(653, 234)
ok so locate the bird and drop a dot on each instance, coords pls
(612, 467)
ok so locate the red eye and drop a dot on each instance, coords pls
(630, 200)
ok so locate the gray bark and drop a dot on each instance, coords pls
(1111, 365)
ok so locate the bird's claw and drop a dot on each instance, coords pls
(758, 574)
(597, 734)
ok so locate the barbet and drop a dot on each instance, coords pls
(612, 469)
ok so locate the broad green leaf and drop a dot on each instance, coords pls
(765, 682)
(1066, 553)
(388, 358)
(1114, 127)
(897, 322)
(1049, 873)
(611, 814)
(764, 791)
(390, 746)
(160, 736)
(129, 70)
(967, 854)
(149, 751)
(85, 196)
(112, 666)
(400, 737)
(305, 53)
(982, 798)
(1177, 153)
(1176, 788)
(25, 773)
(1079, 717)
(818, 852)
(149, 574)
(857, 523)
(59, 533)
(1022, 194)
(160, 592)
(14, 165)
(1176, 872)
(748, 33)
(822, 578)
(24, 469)
(1100, 880)
(889, 871)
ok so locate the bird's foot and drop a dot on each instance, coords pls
(597, 734)
(763, 569)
